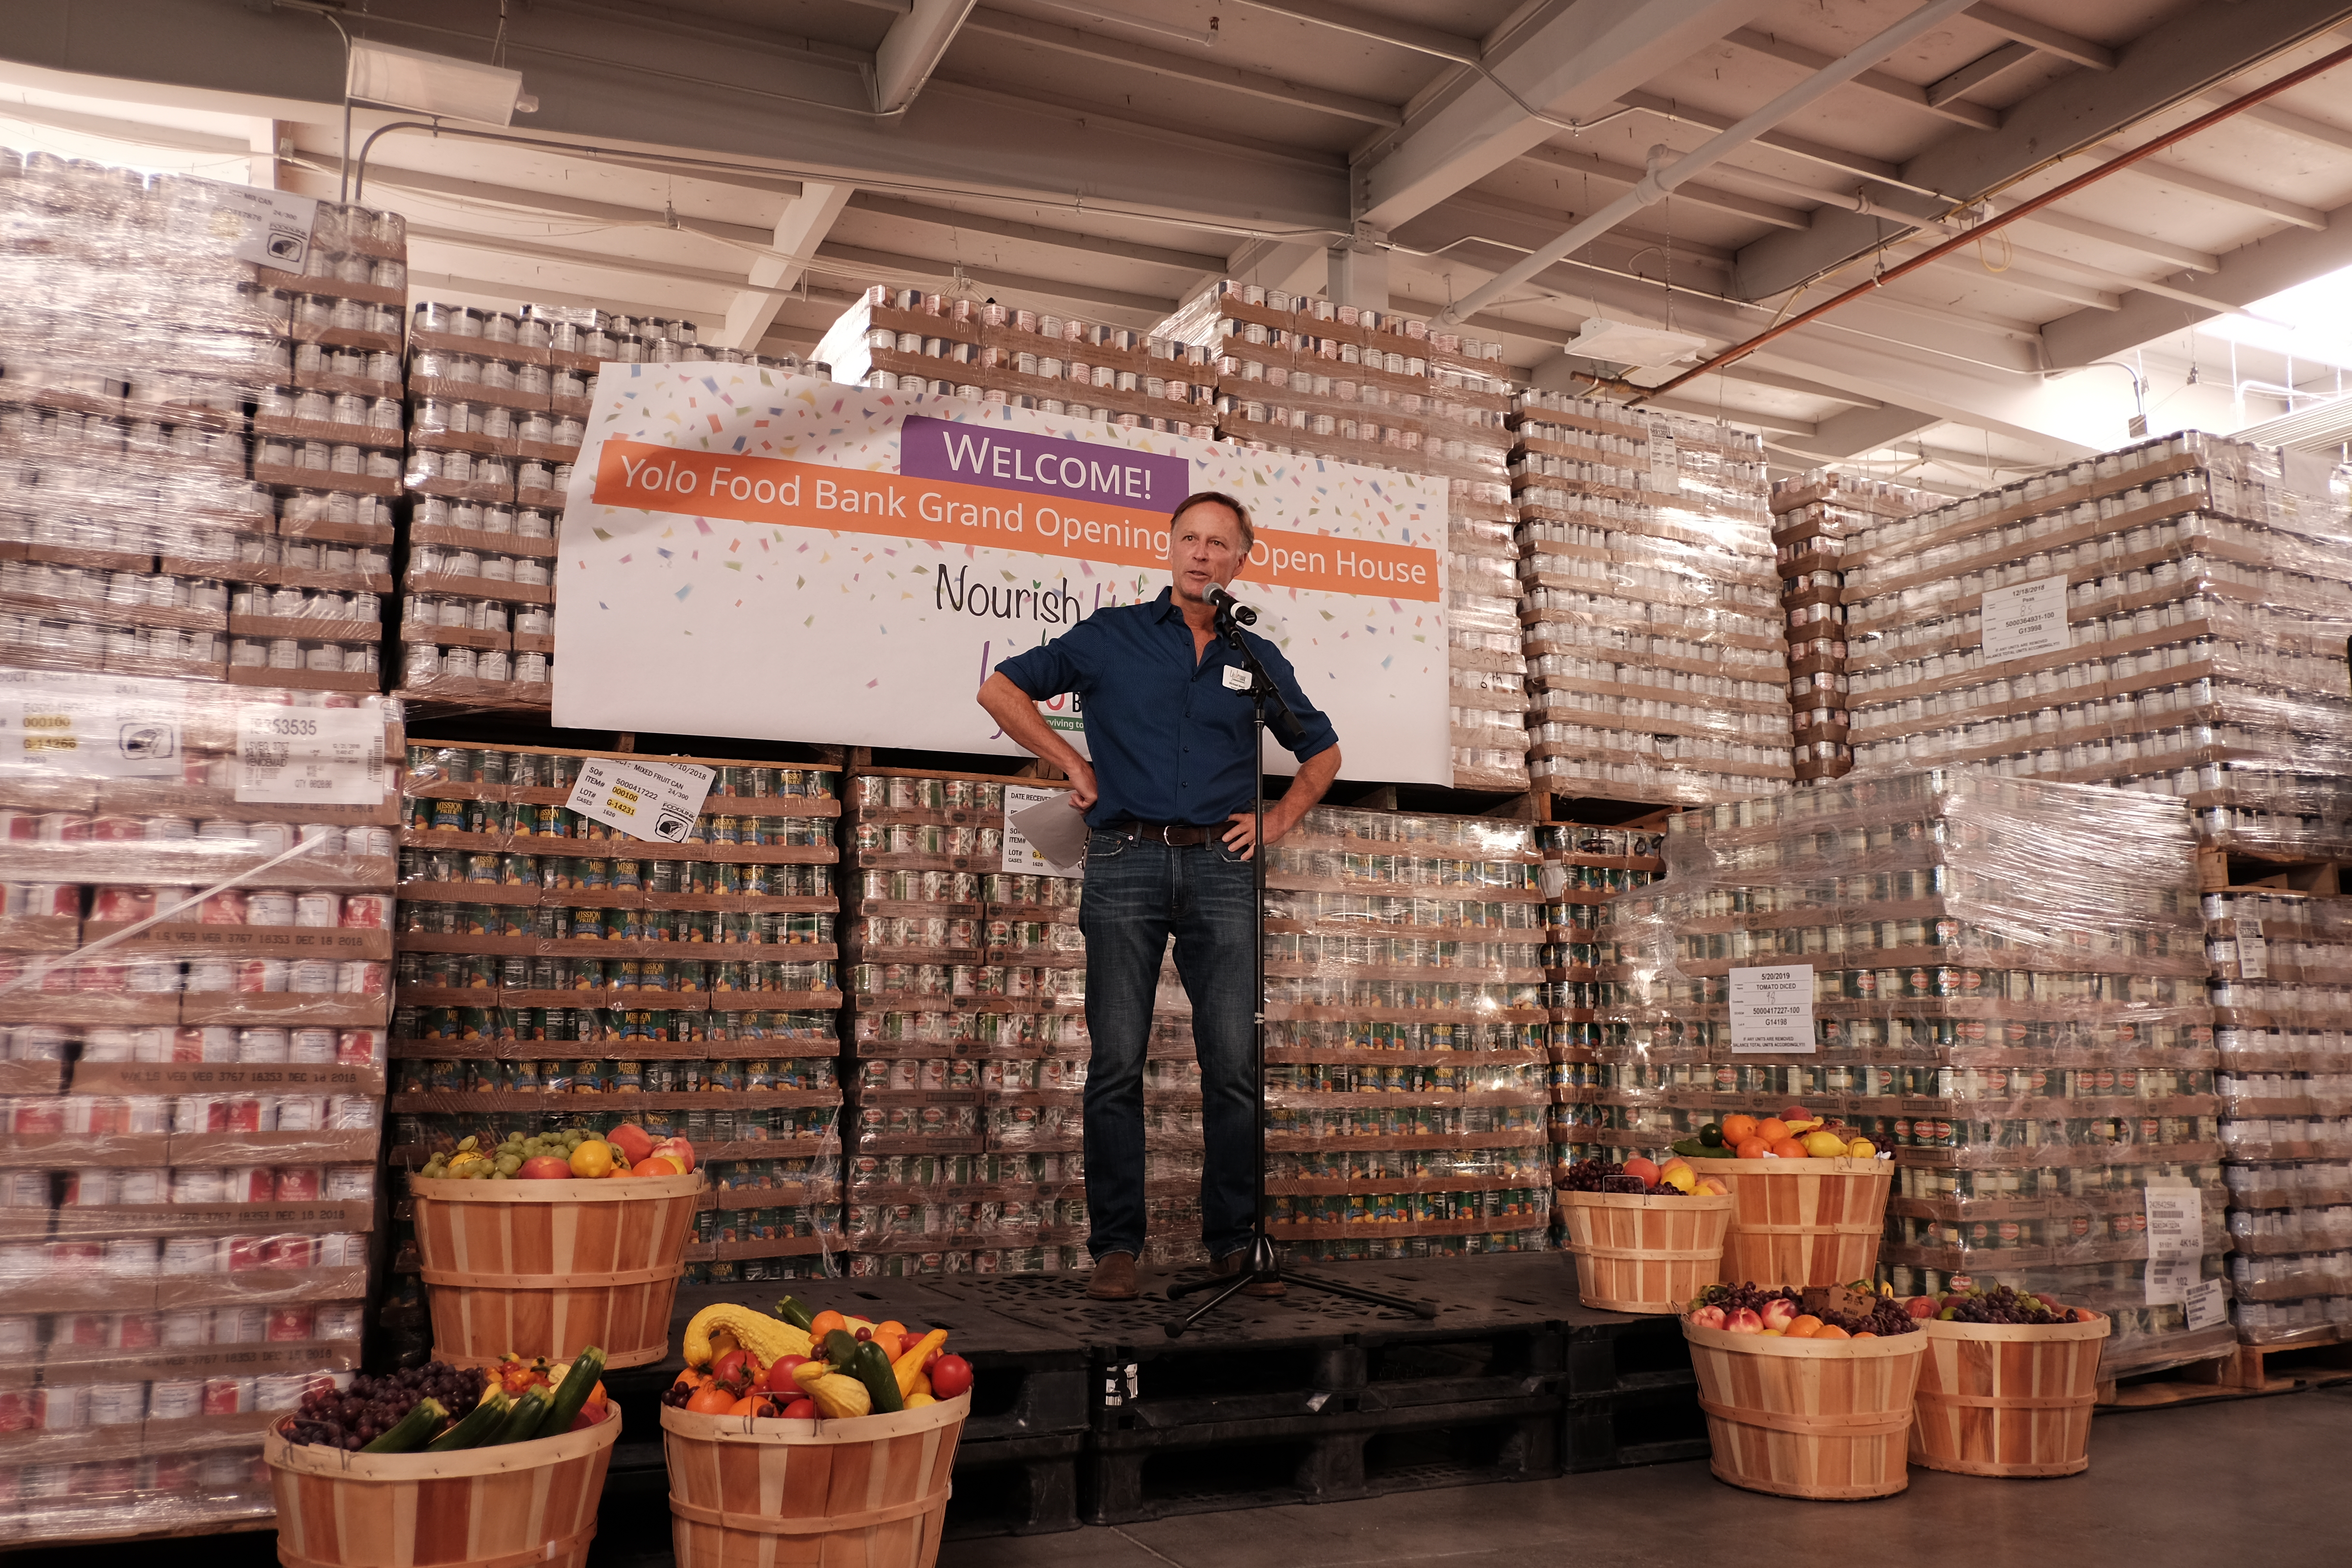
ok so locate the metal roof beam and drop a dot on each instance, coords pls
(912, 48)
(1569, 59)
(1894, 88)
(1181, 68)
(2195, 49)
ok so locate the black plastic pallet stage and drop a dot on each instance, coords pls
(1086, 1410)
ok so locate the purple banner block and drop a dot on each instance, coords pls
(1004, 460)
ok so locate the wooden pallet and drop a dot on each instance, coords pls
(2275, 1369)
(2219, 869)
(2182, 1382)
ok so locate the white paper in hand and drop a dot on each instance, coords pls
(1043, 833)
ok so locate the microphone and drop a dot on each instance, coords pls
(1225, 603)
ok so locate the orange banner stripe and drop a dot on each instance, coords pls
(853, 501)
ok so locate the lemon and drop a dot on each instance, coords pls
(1863, 1149)
(1824, 1145)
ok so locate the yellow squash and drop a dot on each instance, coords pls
(765, 1337)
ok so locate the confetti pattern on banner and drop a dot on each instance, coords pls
(786, 628)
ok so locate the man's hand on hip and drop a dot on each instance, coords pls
(1242, 836)
(1082, 787)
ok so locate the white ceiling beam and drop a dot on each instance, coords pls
(2302, 127)
(1701, 409)
(1570, 58)
(2170, 173)
(932, 269)
(2192, 50)
(1181, 68)
(1742, 372)
(2041, 35)
(1812, 151)
(1290, 265)
(1370, 25)
(2179, 256)
(561, 255)
(1698, 195)
(1944, 93)
(912, 50)
(1892, 87)
(1031, 233)
(263, 169)
(799, 232)
(457, 194)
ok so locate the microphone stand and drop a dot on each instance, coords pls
(1264, 1266)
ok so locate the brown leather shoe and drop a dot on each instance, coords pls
(1233, 1263)
(1114, 1278)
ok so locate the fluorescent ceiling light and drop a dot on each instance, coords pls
(1625, 342)
(432, 84)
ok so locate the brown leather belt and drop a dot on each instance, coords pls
(1177, 835)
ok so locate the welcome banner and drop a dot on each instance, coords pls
(751, 553)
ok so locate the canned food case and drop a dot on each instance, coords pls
(194, 1000)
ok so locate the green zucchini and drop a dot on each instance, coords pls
(873, 1369)
(795, 1311)
(840, 1350)
(571, 1393)
(482, 1420)
(423, 1418)
(1692, 1149)
(523, 1421)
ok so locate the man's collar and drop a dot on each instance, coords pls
(1167, 604)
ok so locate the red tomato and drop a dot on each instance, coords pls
(950, 1377)
(780, 1376)
(800, 1410)
(734, 1369)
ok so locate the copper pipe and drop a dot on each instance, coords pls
(2023, 209)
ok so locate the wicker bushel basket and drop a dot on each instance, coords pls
(1807, 1418)
(1804, 1222)
(548, 1269)
(1644, 1252)
(2007, 1399)
(870, 1492)
(521, 1503)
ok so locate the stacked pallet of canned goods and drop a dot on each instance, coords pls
(2168, 618)
(556, 974)
(1654, 634)
(1584, 870)
(148, 524)
(1298, 375)
(908, 340)
(2281, 967)
(967, 988)
(189, 1118)
(2006, 984)
(1405, 1037)
(1812, 519)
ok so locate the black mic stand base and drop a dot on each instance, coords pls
(1266, 1269)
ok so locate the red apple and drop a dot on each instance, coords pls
(1780, 1312)
(1923, 1306)
(677, 1148)
(1647, 1170)
(1708, 1317)
(631, 1140)
(1745, 1321)
(545, 1168)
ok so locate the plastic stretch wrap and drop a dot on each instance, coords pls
(1406, 1078)
(198, 452)
(557, 972)
(2007, 992)
(195, 962)
(2282, 963)
(1656, 656)
(2203, 654)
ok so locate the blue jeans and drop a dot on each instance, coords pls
(1139, 893)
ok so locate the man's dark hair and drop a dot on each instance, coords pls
(1219, 497)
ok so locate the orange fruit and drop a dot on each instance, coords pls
(1771, 1130)
(1866, 1334)
(1803, 1326)
(593, 1158)
(619, 1170)
(659, 1165)
(1738, 1130)
(1786, 1149)
(1830, 1332)
(825, 1324)
(1754, 1148)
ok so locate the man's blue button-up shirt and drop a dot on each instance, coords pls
(1169, 741)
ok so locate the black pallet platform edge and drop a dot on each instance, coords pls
(1015, 1486)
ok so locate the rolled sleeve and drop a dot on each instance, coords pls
(1317, 732)
(1052, 668)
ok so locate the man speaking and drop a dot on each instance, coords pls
(1167, 798)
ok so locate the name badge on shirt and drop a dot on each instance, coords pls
(1236, 680)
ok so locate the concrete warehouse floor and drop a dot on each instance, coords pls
(2239, 1481)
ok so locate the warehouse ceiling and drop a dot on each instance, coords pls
(749, 163)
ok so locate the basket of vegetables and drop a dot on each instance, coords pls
(2008, 1383)
(811, 1436)
(445, 1466)
(542, 1245)
(1647, 1238)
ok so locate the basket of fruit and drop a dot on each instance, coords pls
(1807, 1394)
(542, 1245)
(2008, 1383)
(440, 1465)
(1647, 1238)
(811, 1437)
(1808, 1197)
